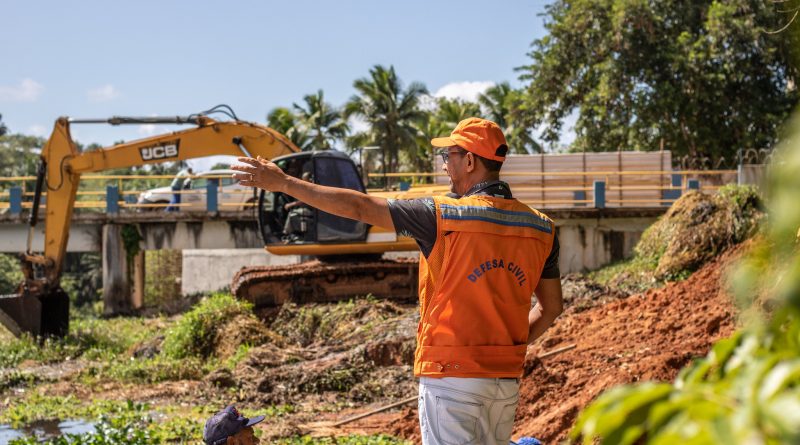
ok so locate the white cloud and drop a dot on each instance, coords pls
(28, 90)
(464, 90)
(357, 124)
(103, 93)
(37, 130)
(427, 102)
(147, 129)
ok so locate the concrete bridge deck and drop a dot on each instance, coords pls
(589, 237)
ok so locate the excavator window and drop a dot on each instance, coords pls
(337, 171)
(273, 212)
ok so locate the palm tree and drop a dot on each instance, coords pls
(499, 103)
(495, 101)
(285, 122)
(452, 111)
(324, 122)
(430, 127)
(390, 111)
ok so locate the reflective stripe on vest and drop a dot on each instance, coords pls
(496, 216)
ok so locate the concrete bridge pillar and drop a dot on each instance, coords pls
(117, 283)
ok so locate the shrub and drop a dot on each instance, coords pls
(196, 332)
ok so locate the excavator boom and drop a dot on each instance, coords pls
(40, 306)
(350, 250)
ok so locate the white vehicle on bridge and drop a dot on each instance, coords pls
(231, 195)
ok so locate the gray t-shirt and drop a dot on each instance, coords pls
(416, 218)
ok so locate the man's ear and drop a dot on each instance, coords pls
(470, 162)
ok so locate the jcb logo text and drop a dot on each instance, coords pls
(165, 151)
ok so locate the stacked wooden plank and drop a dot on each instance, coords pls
(633, 178)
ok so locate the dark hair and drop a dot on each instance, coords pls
(489, 164)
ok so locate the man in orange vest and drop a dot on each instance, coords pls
(483, 255)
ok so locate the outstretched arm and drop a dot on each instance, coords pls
(351, 204)
(550, 304)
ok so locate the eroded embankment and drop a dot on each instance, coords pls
(648, 336)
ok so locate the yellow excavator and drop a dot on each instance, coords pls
(349, 251)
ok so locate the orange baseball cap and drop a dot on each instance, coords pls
(479, 136)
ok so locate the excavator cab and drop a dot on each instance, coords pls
(284, 220)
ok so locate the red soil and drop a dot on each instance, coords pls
(649, 336)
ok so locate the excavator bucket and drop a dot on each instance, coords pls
(42, 316)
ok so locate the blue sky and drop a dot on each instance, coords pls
(98, 59)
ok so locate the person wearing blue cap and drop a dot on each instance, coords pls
(228, 427)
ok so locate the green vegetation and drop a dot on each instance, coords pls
(18, 156)
(89, 338)
(631, 276)
(107, 432)
(324, 122)
(10, 274)
(303, 325)
(747, 389)
(196, 333)
(697, 78)
(118, 422)
(131, 423)
(391, 112)
(694, 77)
(148, 370)
(694, 230)
(81, 279)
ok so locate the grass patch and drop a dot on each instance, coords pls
(10, 273)
(16, 379)
(37, 406)
(90, 338)
(184, 349)
(114, 420)
(697, 228)
(195, 334)
(334, 323)
(630, 276)
(148, 370)
(241, 353)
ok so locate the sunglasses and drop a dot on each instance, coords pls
(445, 154)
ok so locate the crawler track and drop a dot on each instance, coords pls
(320, 282)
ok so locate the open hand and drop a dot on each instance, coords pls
(259, 172)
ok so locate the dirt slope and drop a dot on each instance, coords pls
(648, 336)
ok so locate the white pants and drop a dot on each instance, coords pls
(456, 411)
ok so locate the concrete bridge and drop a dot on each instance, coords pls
(216, 245)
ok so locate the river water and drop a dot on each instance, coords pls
(44, 429)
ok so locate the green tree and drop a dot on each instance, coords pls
(452, 111)
(324, 122)
(428, 128)
(391, 112)
(284, 121)
(19, 154)
(437, 123)
(703, 78)
(498, 103)
(3, 128)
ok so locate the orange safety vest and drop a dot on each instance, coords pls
(475, 287)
